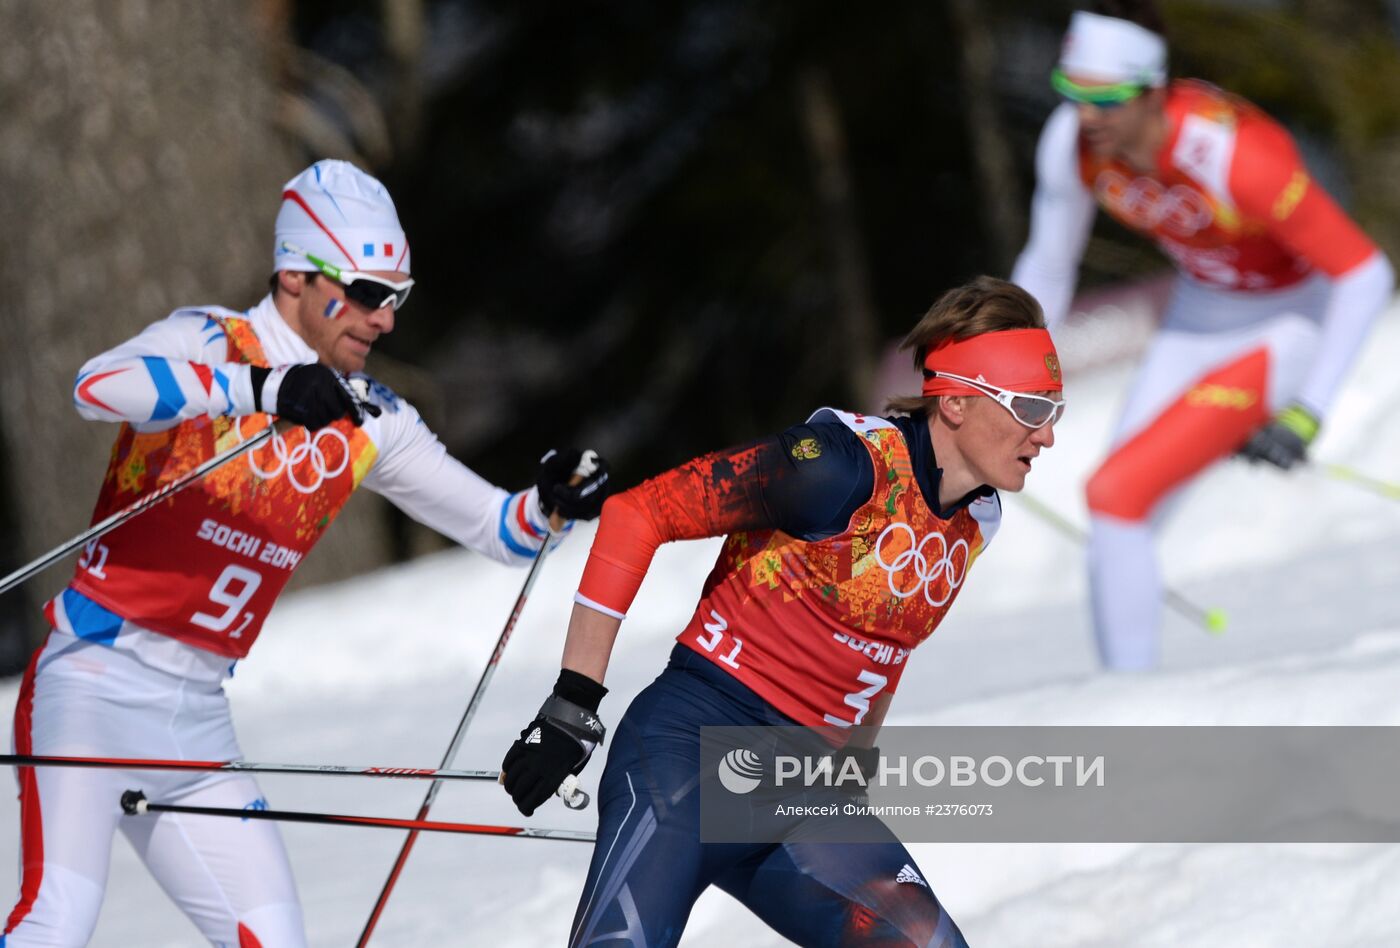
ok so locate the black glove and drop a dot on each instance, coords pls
(311, 395)
(558, 742)
(573, 501)
(1284, 441)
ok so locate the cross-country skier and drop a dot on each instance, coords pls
(160, 609)
(1275, 293)
(847, 527)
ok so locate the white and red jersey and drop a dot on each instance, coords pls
(205, 566)
(1229, 200)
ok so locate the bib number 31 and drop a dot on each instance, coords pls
(717, 630)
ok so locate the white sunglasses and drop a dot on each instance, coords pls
(369, 291)
(1033, 411)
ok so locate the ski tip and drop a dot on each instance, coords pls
(1216, 621)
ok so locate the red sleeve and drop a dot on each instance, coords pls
(710, 496)
(1271, 184)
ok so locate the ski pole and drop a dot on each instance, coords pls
(572, 796)
(133, 509)
(1351, 475)
(244, 766)
(134, 803)
(359, 390)
(568, 790)
(1213, 620)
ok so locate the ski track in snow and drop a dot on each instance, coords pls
(378, 671)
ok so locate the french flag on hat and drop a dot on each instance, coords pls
(342, 215)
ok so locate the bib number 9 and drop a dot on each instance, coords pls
(232, 590)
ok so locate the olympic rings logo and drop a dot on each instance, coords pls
(1148, 204)
(927, 571)
(294, 460)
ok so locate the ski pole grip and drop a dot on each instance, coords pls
(556, 522)
(133, 803)
(574, 797)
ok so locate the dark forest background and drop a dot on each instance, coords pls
(652, 228)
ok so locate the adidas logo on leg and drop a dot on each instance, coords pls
(910, 874)
(534, 737)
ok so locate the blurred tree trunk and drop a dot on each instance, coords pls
(405, 33)
(854, 345)
(991, 146)
(1354, 67)
(1345, 19)
(139, 171)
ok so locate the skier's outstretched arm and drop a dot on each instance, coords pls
(178, 368)
(1062, 215)
(1270, 183)
(590, 641)
(416, 474)
(173, 370)
(806, 481)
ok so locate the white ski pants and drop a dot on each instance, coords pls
(231, 877)
(1221, 366)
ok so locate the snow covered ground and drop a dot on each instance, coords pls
(378, 672)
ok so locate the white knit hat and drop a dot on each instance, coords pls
(1114, 50)
(342, 215)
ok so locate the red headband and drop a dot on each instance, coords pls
(1022, 360)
